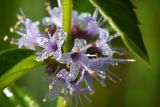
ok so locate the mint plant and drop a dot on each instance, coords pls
(76, 48)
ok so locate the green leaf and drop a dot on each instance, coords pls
(14, 96)
(121, 16)
(11, 57)
(66, 23)
(18, 70)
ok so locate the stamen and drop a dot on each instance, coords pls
(44, 99)
(101, 82)
(49, 35)
(20, 17)
(103, 76)
(12, 42)
(114, 76)
(59, 3)
(46, 29)
(22, 13)
(20, 33)
(97, 55)
(17, 24)
(12, 29)
(71, 92)
(95, 14)
(64, 102)
(50, 87)
(119, 53)
(81, 78)
(33, 45)
(115, 63)
(131, 60)
(113, 36)
(89, 55)
(21, 29)
(68, 65)
(78, 49)
(110, 78)
(92, 93)
(37, 22)
(5, 38)
(47, 6)
(100, 20)
(93, 74)
(112, 61)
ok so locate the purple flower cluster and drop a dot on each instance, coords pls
(88, 61)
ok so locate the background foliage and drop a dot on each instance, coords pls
(140, 86)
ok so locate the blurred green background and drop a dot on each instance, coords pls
(141, 84)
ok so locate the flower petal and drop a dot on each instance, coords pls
(74, 70)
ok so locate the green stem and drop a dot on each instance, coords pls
(66, 23)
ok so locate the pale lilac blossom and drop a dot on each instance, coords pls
(69, 71)
(30, 34)
(52, 47)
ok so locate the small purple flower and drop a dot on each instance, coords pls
(88, 24)
(30, 34)
(52, 47)
(96, 68)
(59, 82)
(103, 42)
(88, 60)
(61, 86)
(56, 17)
(83, 23)
(88, 67)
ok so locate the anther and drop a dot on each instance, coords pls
(78, 49)
(12, 29)
(131, 60)
(46, 29)
(71, 92)
(59, 3)
(68, 65)
(47, 5)
(50, 87)
(97, 55)
(32, 44)
(92, 93)
(12, 42)
(20, 17)
(93, 74)
(5, 38)
(64, 102)
(17, 24)
(44, 99)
